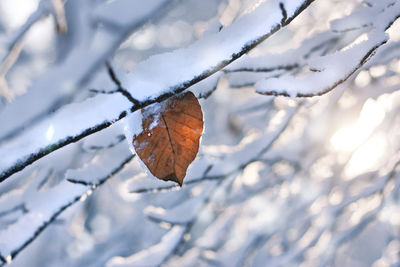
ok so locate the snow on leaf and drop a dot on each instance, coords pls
(170, 138)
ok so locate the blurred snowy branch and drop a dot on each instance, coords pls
(38, 213)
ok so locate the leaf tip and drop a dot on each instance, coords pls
(174, 178)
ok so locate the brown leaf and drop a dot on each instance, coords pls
(170, 138)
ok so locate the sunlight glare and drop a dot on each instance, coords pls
(251, 174)
(50, 133)
(371, 115)
(391, 214)
(368, 157)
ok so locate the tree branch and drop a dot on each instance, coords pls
(91, 188)
(333, 71)
(44, 149)
(119, 86)
(85, 61)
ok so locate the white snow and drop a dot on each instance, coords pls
(105, 138)
(185, 212)
(155, 255)
(41, 206)
(362, 17)
(267, 62)
(132, 126)
(204, 87)
(170, 69)
(332, 68)
(92, 47)
(253, 145)
(328, 70)
(182, 65)
(95, 170)
(147, 182)
(69, 121)
(290, 206)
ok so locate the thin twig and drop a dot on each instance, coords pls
(119, 86)
(61, 21)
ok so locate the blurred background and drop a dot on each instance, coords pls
(278, 181)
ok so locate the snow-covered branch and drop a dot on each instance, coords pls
(327, 72)
(276, 180)
(206, 57)
(66, 78)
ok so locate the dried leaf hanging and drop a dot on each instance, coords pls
(170, 138)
